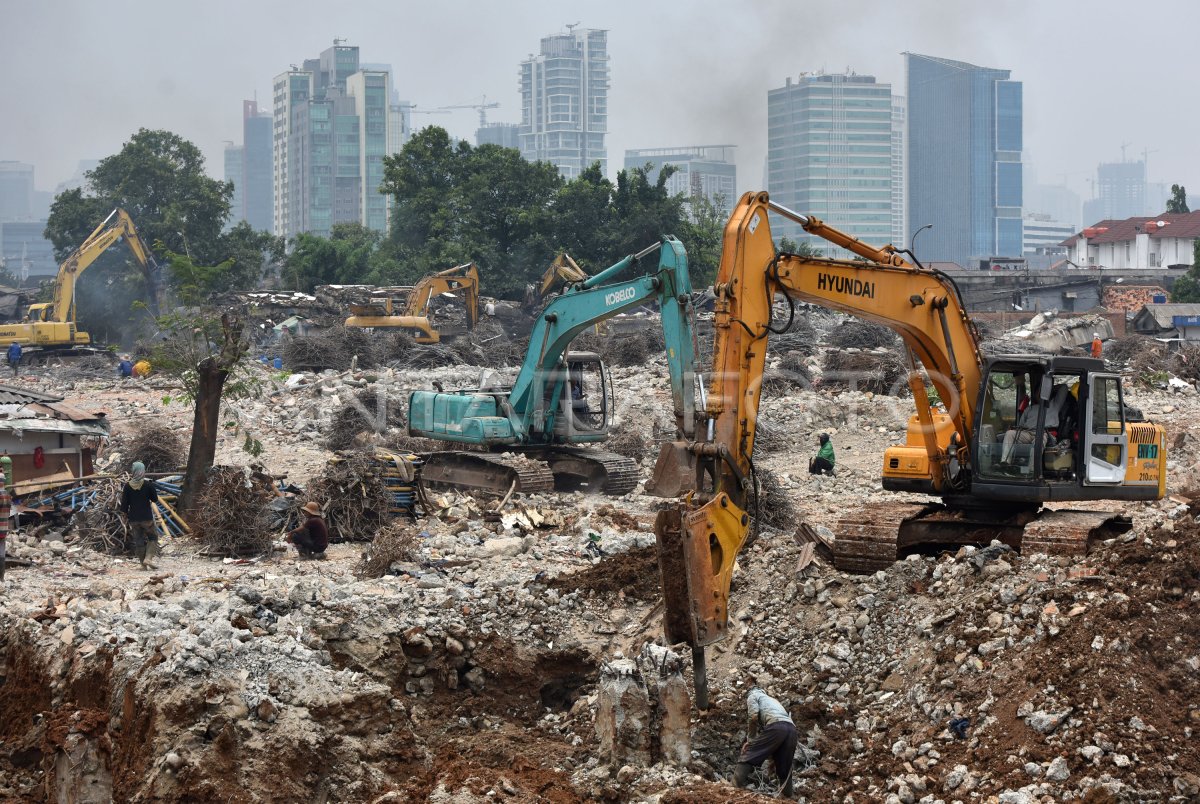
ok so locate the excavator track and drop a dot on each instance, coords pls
(589, 470)
(1072, 533)
(486, 471)
(882, 533)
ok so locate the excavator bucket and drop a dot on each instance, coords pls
(674, 473)
(696, 554)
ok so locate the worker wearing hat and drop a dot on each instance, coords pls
(1097, 345)
(137, 500)
(312, 537)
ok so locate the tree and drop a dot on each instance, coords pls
(195, 283)
(457, 204)
(702, 237)
(248, 253)
(350, 255)
(1187, 287)
(159, 179)
(1177, 203)
(208, 356)
(804, 249)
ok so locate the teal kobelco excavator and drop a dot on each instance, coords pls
(533, 433)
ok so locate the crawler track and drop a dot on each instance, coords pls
(882, 533)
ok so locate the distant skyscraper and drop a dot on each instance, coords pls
(235, 172)
(707, 170)
(1120, 193)
(506, 135)
(830, 154)
(964, 159)
(257, 197)
(330, 136)
(899, 181)
(80, 176)
(564, 101)
(16, 191)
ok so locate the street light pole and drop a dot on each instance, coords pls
(913, 239)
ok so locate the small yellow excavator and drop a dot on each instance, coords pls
(1006, 435)
(413, 317)
(50, 326)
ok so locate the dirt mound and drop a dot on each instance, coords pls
(634, 572)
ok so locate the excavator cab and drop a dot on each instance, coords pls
(585, 399)
(1055, 428)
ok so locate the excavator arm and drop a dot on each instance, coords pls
(116, 226)
(699, 540)
(461, 278)
(563, 270)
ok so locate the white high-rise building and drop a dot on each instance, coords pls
(564, 101)
(707, 170)
(831, 153)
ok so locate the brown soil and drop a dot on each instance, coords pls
(634, 572)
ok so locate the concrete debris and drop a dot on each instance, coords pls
(479, 652)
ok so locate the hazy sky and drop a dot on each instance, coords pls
(78, 77)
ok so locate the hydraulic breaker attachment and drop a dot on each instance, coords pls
(675, 472)
(696, 555)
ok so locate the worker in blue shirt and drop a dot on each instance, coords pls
(14, 356)
(771, 735)
(125, 367)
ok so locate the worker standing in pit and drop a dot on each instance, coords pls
(823, 463)
(14, 356)
(771, 735)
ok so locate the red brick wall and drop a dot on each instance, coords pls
(1130, 298)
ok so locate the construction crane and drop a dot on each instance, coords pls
(481, 107)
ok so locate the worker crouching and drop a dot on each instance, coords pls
(312, 537)
(771, 735)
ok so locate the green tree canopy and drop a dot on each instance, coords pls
(158, 178)
(1178, 201)
(1187, 287)
(350, 255)
(454, 204)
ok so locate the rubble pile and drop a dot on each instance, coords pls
(982, 673)
(880, 370)
(234, 514)
(354, 497)
(856, 334)
(364, 417)
(158, 446)
(337, 348)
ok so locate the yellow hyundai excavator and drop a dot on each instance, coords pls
(50, 326)
(1011, 432)
(414, 317)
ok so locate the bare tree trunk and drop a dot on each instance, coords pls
(212, 372)
(205, 424)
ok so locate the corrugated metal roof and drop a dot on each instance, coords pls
(11, 395)
(53, 426)
(1164, 314)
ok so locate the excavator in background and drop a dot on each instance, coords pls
(562, 271)
(414, 316)
(49, 327)
(1011, 432)
(534, 430)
